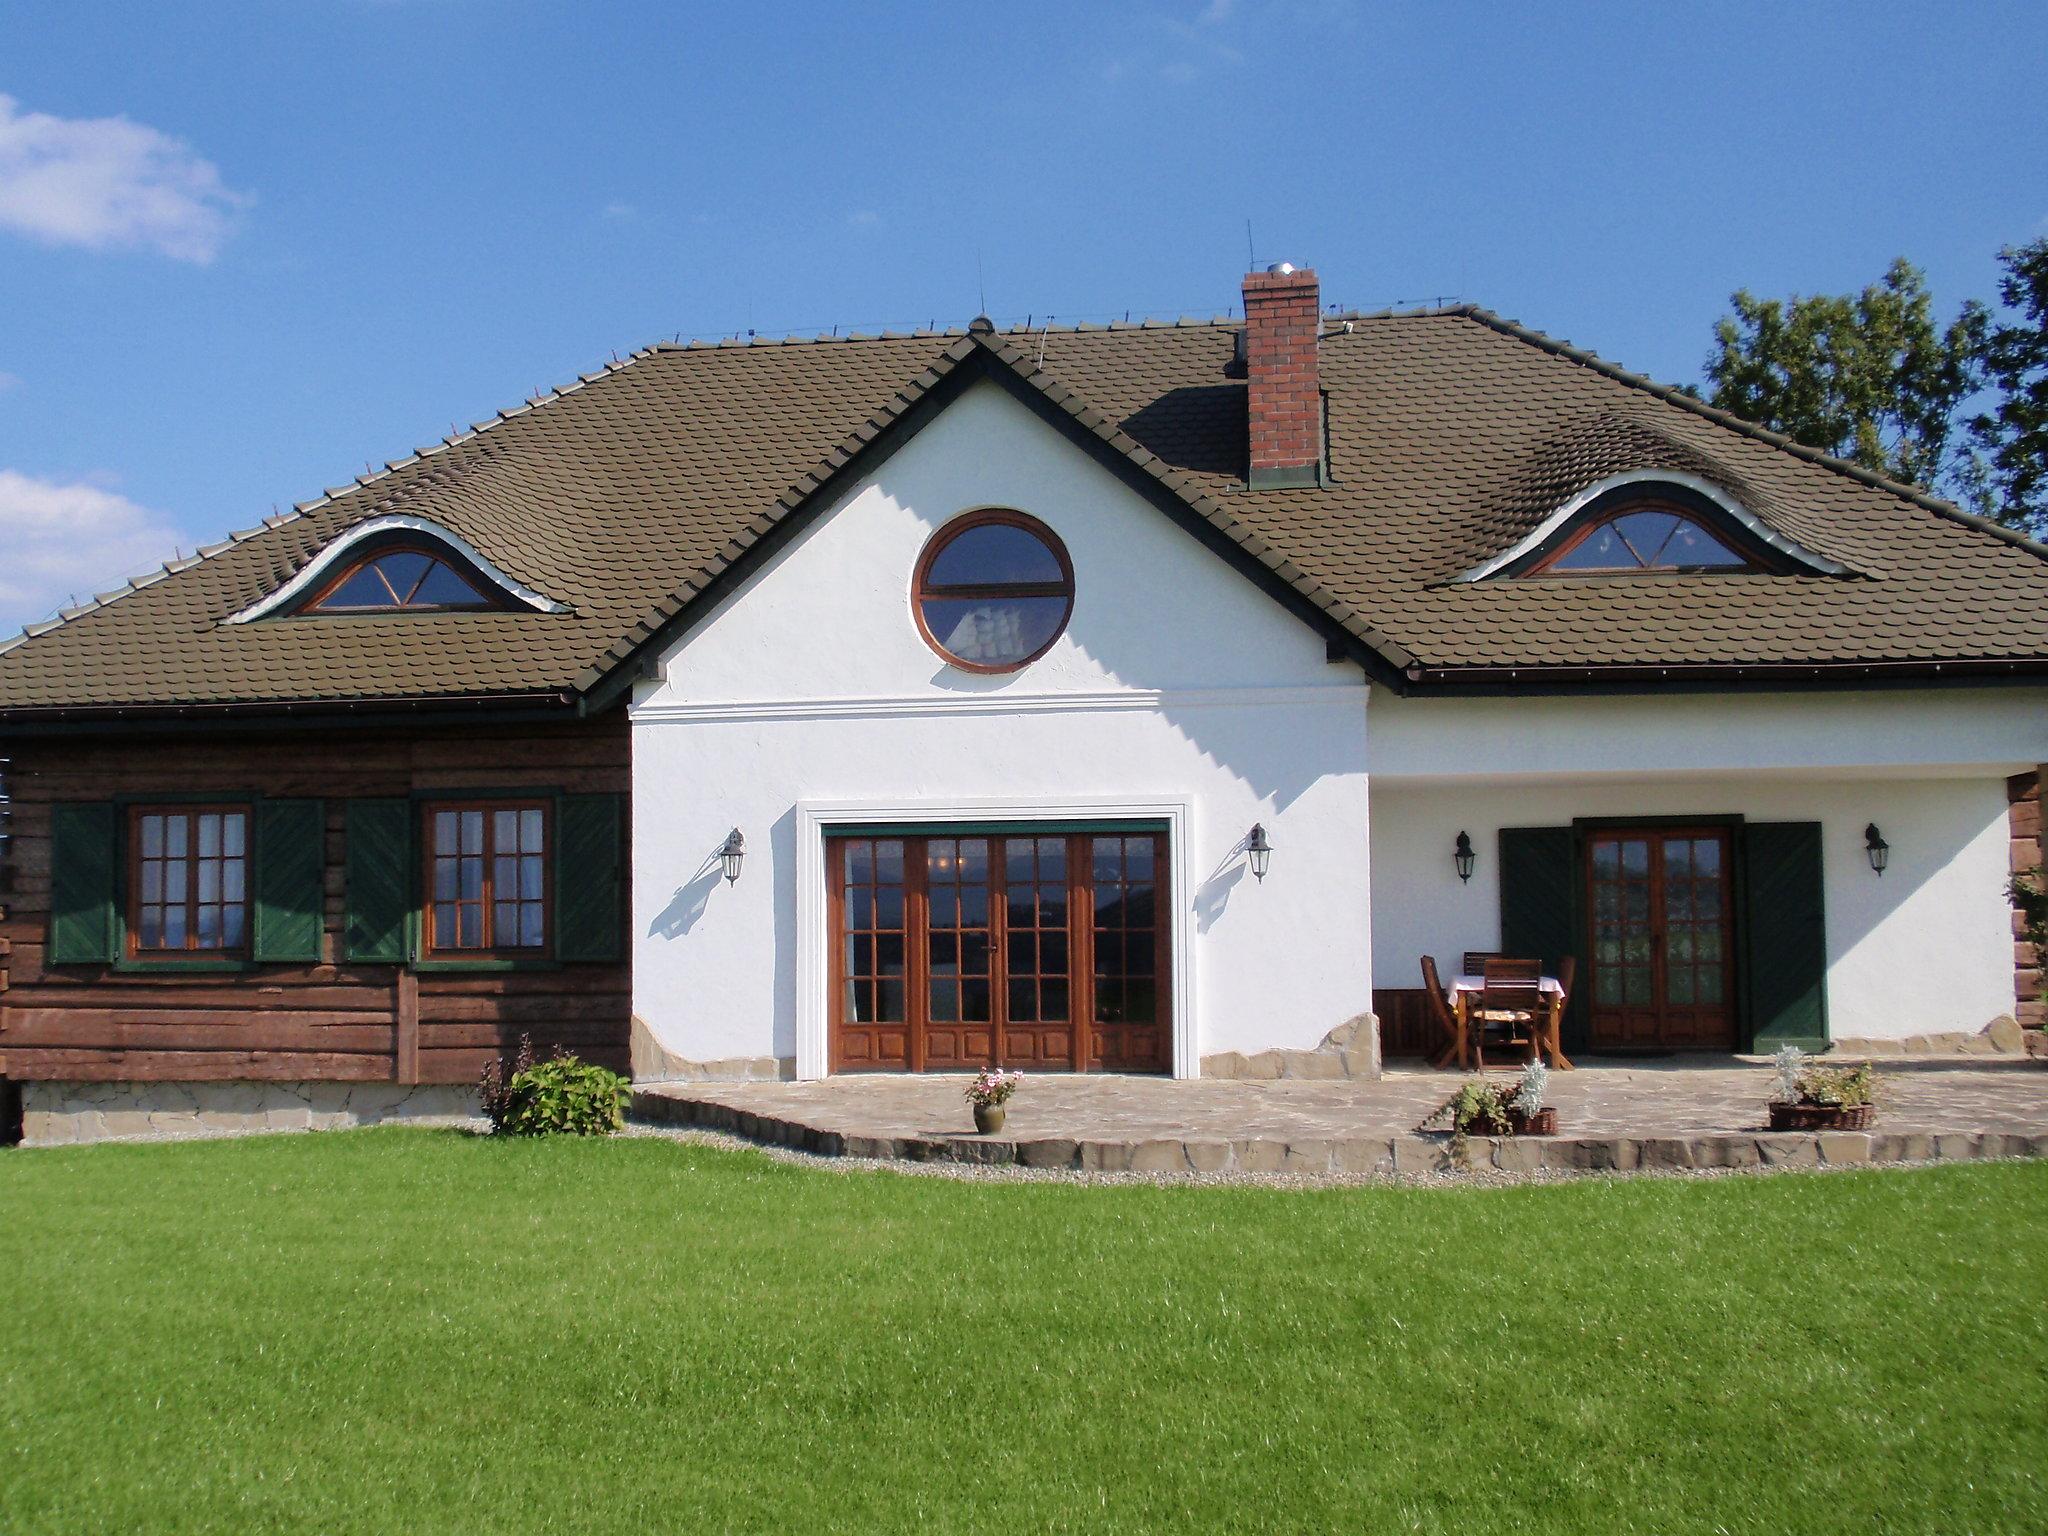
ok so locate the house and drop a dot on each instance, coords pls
(1138, 698)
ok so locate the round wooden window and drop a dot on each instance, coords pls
(993, 591)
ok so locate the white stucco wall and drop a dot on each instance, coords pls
(1178, 689)
(1927, 947)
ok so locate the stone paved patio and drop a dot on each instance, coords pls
(1677, 1113)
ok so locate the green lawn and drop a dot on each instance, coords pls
(420, 1331)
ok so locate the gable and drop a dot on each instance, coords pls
(827, 616)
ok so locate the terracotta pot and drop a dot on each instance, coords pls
(1542, 1123)
(988, 1118)
(1822, 1117)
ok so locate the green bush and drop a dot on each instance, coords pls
(563, 1096)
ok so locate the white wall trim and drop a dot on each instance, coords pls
(396, 522)
(1693, 483)
(813, 993)
(1151, 700)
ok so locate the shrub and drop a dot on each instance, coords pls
(562, 1096)
(1800, 1082)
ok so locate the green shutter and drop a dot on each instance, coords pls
(1784, 935)
(84, 886)
(291, 867)
(587, 898)
(1539, 906)
(380, 881)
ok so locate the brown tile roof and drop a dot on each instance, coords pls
(1452, 434)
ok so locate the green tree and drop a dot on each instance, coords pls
(2008, 473)
(1867, 377)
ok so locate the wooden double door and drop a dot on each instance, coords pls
(1659, 921)
(1036, 950)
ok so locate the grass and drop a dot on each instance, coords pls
(412, 1331)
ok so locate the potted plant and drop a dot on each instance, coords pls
(1528, 1115)
(1810, 1098)
(989, 1091)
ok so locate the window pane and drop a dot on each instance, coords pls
(444, 924)
(1601, 550)
(994, 554)
(234, 923)
(403, 570)
(442, 588)
(152, 928)
(363, 588)
(152, 881)
(505, 877)
(176, 830)
(1692, 546)
(208, 928)
(530, 831)
(209, 836)
(892, 999)
(993, 631)
(444, 831)
(152, 837)
(174, 881)
(889, 860)
(530, 871)
(174, 927)
(472, 883)
(234, 828)
(469, 927)
(1645, 533)
(1052, 1000)
(1023, 1000)
(444, 879)
(472, 831)
(209, 880)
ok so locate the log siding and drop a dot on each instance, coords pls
(331, 1020)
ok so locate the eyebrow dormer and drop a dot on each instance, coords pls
(398, 565)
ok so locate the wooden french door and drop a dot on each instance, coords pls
(1660, 920)
(1045, 951)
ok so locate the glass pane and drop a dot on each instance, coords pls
(1679, 984)
(532, 925)
(974, 905)
(209, 880)
(1692, 547)
(1023, 953)
(403, 570)
(994, 631)
(1138, 859)
(1706, 856)
(152, 837)
(1645, 533)
(442, 588)
(1607, 987)
(1109, 863)
(505, 921)
(1109, 1001)
(1023, 1000)
(209, 836)
(530, 825)
(1601, 550)
(974, 1001)
(234, 828)
(234, 924)
(444, 831)
(894, 996)
(860, 861)
(505, 877)
(1138, 995)
(1052, 859)
(1109, 953)
(1052, 1000)
(176, 830)
(472, 831)
(1710, 984)
(152, 881)
(945, 1003)
(152, 928)
(1606, 859)
(444, 924)
(1052, 954)
(362, 588)
(531, 868)
(1019, 868)
(174, 881)
(994, 554)
(974, 954)
(208, 927)
(174, 928)
(945, 953)
(1635, 859)
(233, 880)
(889, 860)
(860, 950)
(444, 879)
(472, 887)
(469, 927)
(889, 906)
(1638, 988)
(1139, 909)
(889, 954)
(505, 831)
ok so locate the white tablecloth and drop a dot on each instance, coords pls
(1552, 987)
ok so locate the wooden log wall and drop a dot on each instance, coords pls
(332, 1021)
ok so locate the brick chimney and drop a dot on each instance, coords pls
(1281, 324)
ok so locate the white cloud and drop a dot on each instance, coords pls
(70, 539)
(106, 183)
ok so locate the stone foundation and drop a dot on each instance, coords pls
(1352, 1049)
(653, 1063)
(2003, 1036)
(67, 1114)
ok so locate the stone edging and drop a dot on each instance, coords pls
(1389, 1155)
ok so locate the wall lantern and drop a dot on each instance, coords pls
(1258, 850)
(729, 856)
(1879, 850)
(1463, 856)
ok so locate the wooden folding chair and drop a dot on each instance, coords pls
(1509, 1006)
(1445, 1015)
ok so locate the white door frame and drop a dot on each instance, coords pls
(813, 925)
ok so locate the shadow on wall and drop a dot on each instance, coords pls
(688, 902)
(1212, 896)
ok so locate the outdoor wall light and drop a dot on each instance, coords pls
(1879, 850)
(1463, 856)
(729, 856)
(1258, 850)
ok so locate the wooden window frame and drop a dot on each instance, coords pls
(494, 598)
(132, 948)
(489, 952)
(1757, 559)
(1086, 1032)
(922, 590)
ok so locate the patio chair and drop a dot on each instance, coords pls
(1475, 961)
(1444, 1016)
(1511, 1006)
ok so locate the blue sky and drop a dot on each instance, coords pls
(249, 246)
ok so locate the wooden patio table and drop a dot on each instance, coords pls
(1549, 1037)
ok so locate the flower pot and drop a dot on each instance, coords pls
(988, 1118)
(1542, 1123)
(1822, 1117)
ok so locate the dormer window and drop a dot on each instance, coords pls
(1642, 536)
(1653, 523)
(398, 565)
(407, 579)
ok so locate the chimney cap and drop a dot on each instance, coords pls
(1281, 269)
